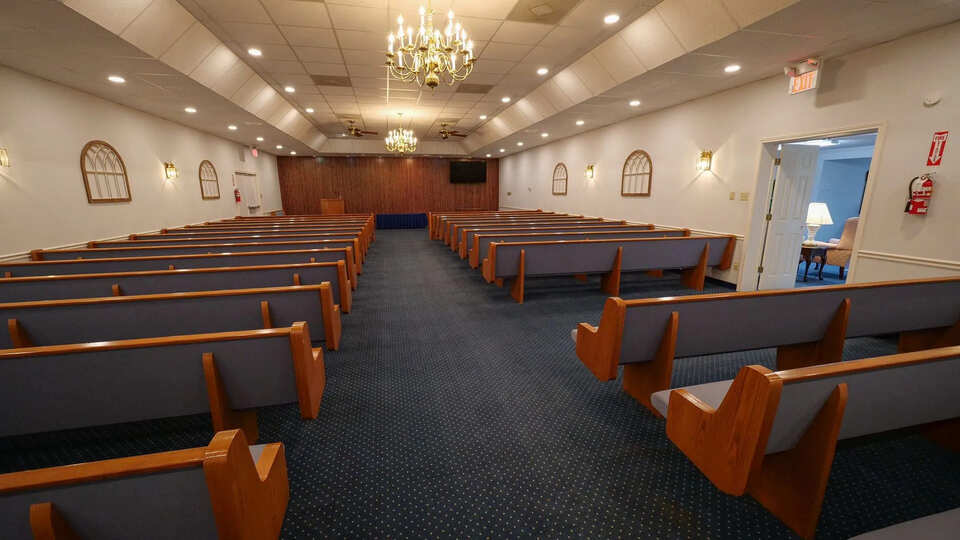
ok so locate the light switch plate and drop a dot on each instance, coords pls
(733, 195)
(744, 195)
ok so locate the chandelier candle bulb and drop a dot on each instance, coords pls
(431, 55)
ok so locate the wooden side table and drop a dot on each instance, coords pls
(807, 253)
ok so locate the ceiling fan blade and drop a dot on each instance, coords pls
(369, 132)
(459, 134)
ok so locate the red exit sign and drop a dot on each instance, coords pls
(804, 81)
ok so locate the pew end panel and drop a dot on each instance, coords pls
(249, 497)
(598, 348)
(309, 371)
(726, 440)
(516, 290)
(47, 523)
(332, 325)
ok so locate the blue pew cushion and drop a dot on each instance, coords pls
(710, 393)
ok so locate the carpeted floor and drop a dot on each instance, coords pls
(451, 411)
(831, 276)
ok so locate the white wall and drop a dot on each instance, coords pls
(881, 85)
(45, 125)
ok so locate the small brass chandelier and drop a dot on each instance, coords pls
(430, 54)
(401, 141)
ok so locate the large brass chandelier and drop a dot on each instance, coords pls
(429, 55)
(401, 141)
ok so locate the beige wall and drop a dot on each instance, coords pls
(45, 125)
(883, 85)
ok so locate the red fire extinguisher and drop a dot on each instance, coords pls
(919, 192)
(236, 195)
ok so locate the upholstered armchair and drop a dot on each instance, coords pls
(840, 254)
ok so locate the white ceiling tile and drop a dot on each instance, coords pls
(320, 68)
(279, 67)
(114, 16)
(555, 94)
(231, 80)
(318, 54)
(214, 66)
(158, 27)
(301, 82)
(479, 29)
(248, 11)
(747, 12)
(255, 34)
(546, 56)
(275, 52)
(589, 14)
(310, 37)
(522, 32)
(505, 51)
(697, 22)
(329, 91)
(566, 39)
(367, 71)
(592, 74)
(373, 58)
(364, 3)
(490, 9)
(361, 40)
(493, 66)
(651, 41)
(617, 59)
(350, 17)
(191, 49)
(368, 83)
(298, 13)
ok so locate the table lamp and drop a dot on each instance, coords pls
(817, 214)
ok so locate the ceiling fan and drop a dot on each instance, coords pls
(446, 133)
(355, 131)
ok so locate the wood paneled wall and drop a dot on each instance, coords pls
(384, 185)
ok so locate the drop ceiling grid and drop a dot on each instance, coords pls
(358, 30)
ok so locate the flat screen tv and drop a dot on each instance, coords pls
(468, 172)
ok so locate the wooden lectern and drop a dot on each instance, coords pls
(331, 206)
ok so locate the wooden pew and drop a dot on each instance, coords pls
(226, 489)
(80, 320)
(199, 248)
(457, 229)
(441, 219)
(264, 233)
(433, 218)
(808, 326)
(61, 287)
(171, 262)
(452, 226)
(465, 235)
(773, 435)
(228, 374)
(483, 239)
(159, 242)
(366, 234)
(693, 254)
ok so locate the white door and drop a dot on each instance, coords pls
(249, 188)
(792, 188)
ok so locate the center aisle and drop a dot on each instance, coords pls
(451, 410)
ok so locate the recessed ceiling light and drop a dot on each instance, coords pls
(293, 152)
(635, 103)
(612, 18)
(253, 51)
(732, 68)
(544, 134)
(505, 99)
(289, 89)
(488, 155)
(190, 110)
(543, 71)
(579, 122)
(259, 139)
(232, 127)
(279, 147)
(520, 143)
(503, 150)
(483, 117)
(116, 79)
(309, 109)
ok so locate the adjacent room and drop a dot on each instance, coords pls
(502, 269)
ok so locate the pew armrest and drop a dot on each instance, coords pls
(309, 370)
(727, 444)
(599, 348)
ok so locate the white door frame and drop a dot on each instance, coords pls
(753, 237)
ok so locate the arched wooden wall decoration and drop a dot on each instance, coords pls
(637, 175)
(209, 183)
(560, 179)
(104, 174)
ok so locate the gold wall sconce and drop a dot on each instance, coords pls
(591, 172)
(4, 158)
(170, 170)
(705, 162)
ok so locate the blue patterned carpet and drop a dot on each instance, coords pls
(451, 411)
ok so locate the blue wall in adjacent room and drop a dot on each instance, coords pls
(840, 185)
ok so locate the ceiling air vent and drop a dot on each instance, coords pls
(539, 11)
(330, 80)
(474, 88)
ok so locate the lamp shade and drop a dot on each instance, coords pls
(818, 214)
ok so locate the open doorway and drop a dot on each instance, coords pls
(813, 207)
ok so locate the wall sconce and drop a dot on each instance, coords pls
(591, 172)
(4, 158)
(170, 170)
(705, 161)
